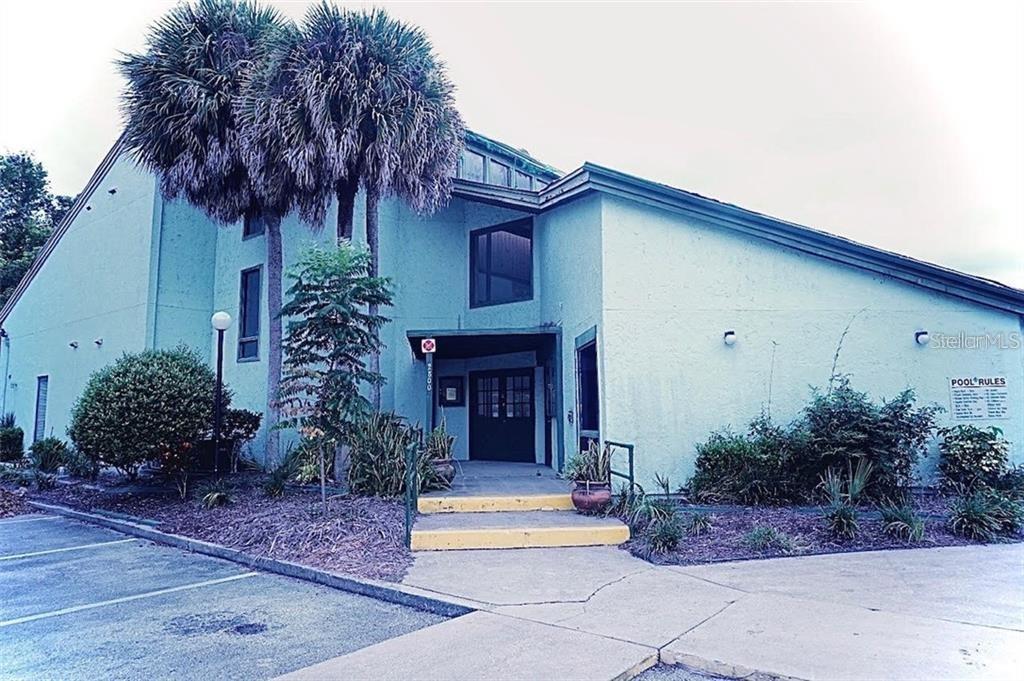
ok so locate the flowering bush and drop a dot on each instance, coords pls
(972, 457)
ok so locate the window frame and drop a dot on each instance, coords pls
(39, 422)
(484, 162)
(526, 223)
(241, 314)
(246, 221)
(515, 180)
(506, 171)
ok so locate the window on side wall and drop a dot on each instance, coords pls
(501, 264)
(499, 174)
(42, 395)
(249, 315)
(523, 181)
(472, 166)
(254, 225)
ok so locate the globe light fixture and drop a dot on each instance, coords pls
(729, 337)
(922, 337)
(220, 320)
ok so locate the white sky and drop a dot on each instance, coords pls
(899, 124)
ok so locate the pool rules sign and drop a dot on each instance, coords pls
(974, 398)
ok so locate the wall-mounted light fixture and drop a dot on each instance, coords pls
(729, 337)
(921, 337)
(98, 342)
(73, 345)
(112, 190)
(88, 207)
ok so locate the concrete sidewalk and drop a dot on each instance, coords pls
(947, 613)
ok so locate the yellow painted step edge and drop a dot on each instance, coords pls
(518, 537)
(518, 502)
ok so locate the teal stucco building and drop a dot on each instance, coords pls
(563, 307)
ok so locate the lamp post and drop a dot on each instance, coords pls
(220, 321)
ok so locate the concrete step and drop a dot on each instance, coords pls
(487, 503)
(514, 530)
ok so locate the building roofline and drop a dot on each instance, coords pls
(528, 162)
(81, 201)
(592, 177)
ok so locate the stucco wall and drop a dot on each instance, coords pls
(570, 245)
(95, 285)
(184, 269)
(673, 285)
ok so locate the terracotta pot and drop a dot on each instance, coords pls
(445, 469)
(591, 497)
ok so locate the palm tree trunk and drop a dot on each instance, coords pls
(346, 192)
(373, 243)
(274, 353)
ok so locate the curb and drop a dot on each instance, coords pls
(372, 589)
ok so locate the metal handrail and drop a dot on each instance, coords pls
(630, 451)
(412, 490)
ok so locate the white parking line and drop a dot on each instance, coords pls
(28, 520)
(124, 599)
(69, 548)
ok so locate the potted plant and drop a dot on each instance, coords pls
(590, 472)
(439, 453)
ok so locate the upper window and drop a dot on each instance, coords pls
(472, 166)
(249, 315)
(254, 225)
(501, 264)
(498, 173)
(523, 181)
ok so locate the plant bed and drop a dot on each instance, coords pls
(753, 532)
(12, 504)
(360, 536)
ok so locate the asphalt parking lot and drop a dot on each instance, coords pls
(77, 601)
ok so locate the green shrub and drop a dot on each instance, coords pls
(901, 520)
(214, 493)
(639, 510)
(745, 469)
(841, 497)
(841, 519)
(377, 449)
(240, 425)
(44, 480)
(12, 441)
(48, 454)
(440, 445)
(663, 535)
(983, 514)
(970, 456)
(593, 465)
(767, 538)
(698, 524)
(150, 406)
(1011, 482)
(277, 480)
(842, 426)
(7, 420)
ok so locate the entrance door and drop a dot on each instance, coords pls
(501, 418)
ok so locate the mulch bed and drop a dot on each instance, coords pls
(360, 536)
(806, 530)
(12, 504)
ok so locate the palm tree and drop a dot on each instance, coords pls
(361, 101)
(178, 105)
